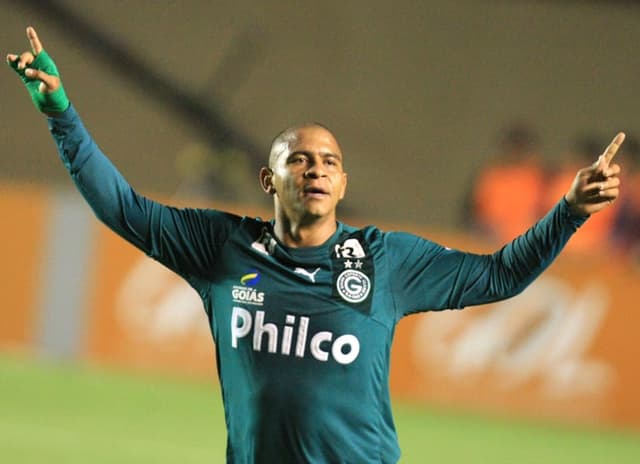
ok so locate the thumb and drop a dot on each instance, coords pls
(48, 83)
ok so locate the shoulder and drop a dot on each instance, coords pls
(370, 233)
(374, 235)
(375, 238)
(402, 245)
(217, 215)
(227, 223)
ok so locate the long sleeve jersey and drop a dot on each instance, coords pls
(303, 335)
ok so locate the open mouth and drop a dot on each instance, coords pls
(315, 192)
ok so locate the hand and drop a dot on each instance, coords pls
(40, 75)
(598, 185)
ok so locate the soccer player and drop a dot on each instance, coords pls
(303, 308)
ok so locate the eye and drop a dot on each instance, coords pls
(332, 162)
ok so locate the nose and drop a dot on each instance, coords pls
(315, 170)
(311, 173)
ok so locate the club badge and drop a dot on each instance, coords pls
(353, 271)
(353, 286)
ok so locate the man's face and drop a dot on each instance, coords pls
(308, 177)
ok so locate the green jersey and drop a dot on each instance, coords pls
(303, 335)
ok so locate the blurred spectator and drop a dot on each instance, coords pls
(627, 220)
(597, 232)
(505, 197)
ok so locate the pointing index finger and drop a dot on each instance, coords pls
(613, 147)
(36, 45)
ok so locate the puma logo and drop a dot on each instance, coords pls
(310, 275)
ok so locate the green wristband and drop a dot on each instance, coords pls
(55, 102)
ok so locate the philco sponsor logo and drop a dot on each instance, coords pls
(292, 337)
(353, 286)
(246, 292)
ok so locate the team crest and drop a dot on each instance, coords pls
(353, 272)
(353, 286)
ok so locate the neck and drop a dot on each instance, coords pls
(301, 232)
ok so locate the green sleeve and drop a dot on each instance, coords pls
(185, 240)
(427, 276)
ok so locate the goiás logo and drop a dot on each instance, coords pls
(247, 292)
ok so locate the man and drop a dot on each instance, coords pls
(303, 308)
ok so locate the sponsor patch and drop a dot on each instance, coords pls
(246, 292)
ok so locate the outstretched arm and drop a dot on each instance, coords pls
(185, 240)
(429, 276)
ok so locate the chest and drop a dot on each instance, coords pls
(324, 305)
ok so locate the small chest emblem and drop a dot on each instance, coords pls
(353, 286)
(351, 248)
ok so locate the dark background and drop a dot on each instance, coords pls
(416, 91)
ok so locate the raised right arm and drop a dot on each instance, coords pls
(185, 240)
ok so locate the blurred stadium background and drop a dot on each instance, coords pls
(104, 356)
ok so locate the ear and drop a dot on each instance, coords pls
(266, 181)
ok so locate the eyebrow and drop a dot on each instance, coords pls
(322, 155)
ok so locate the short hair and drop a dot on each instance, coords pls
(282, 141)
